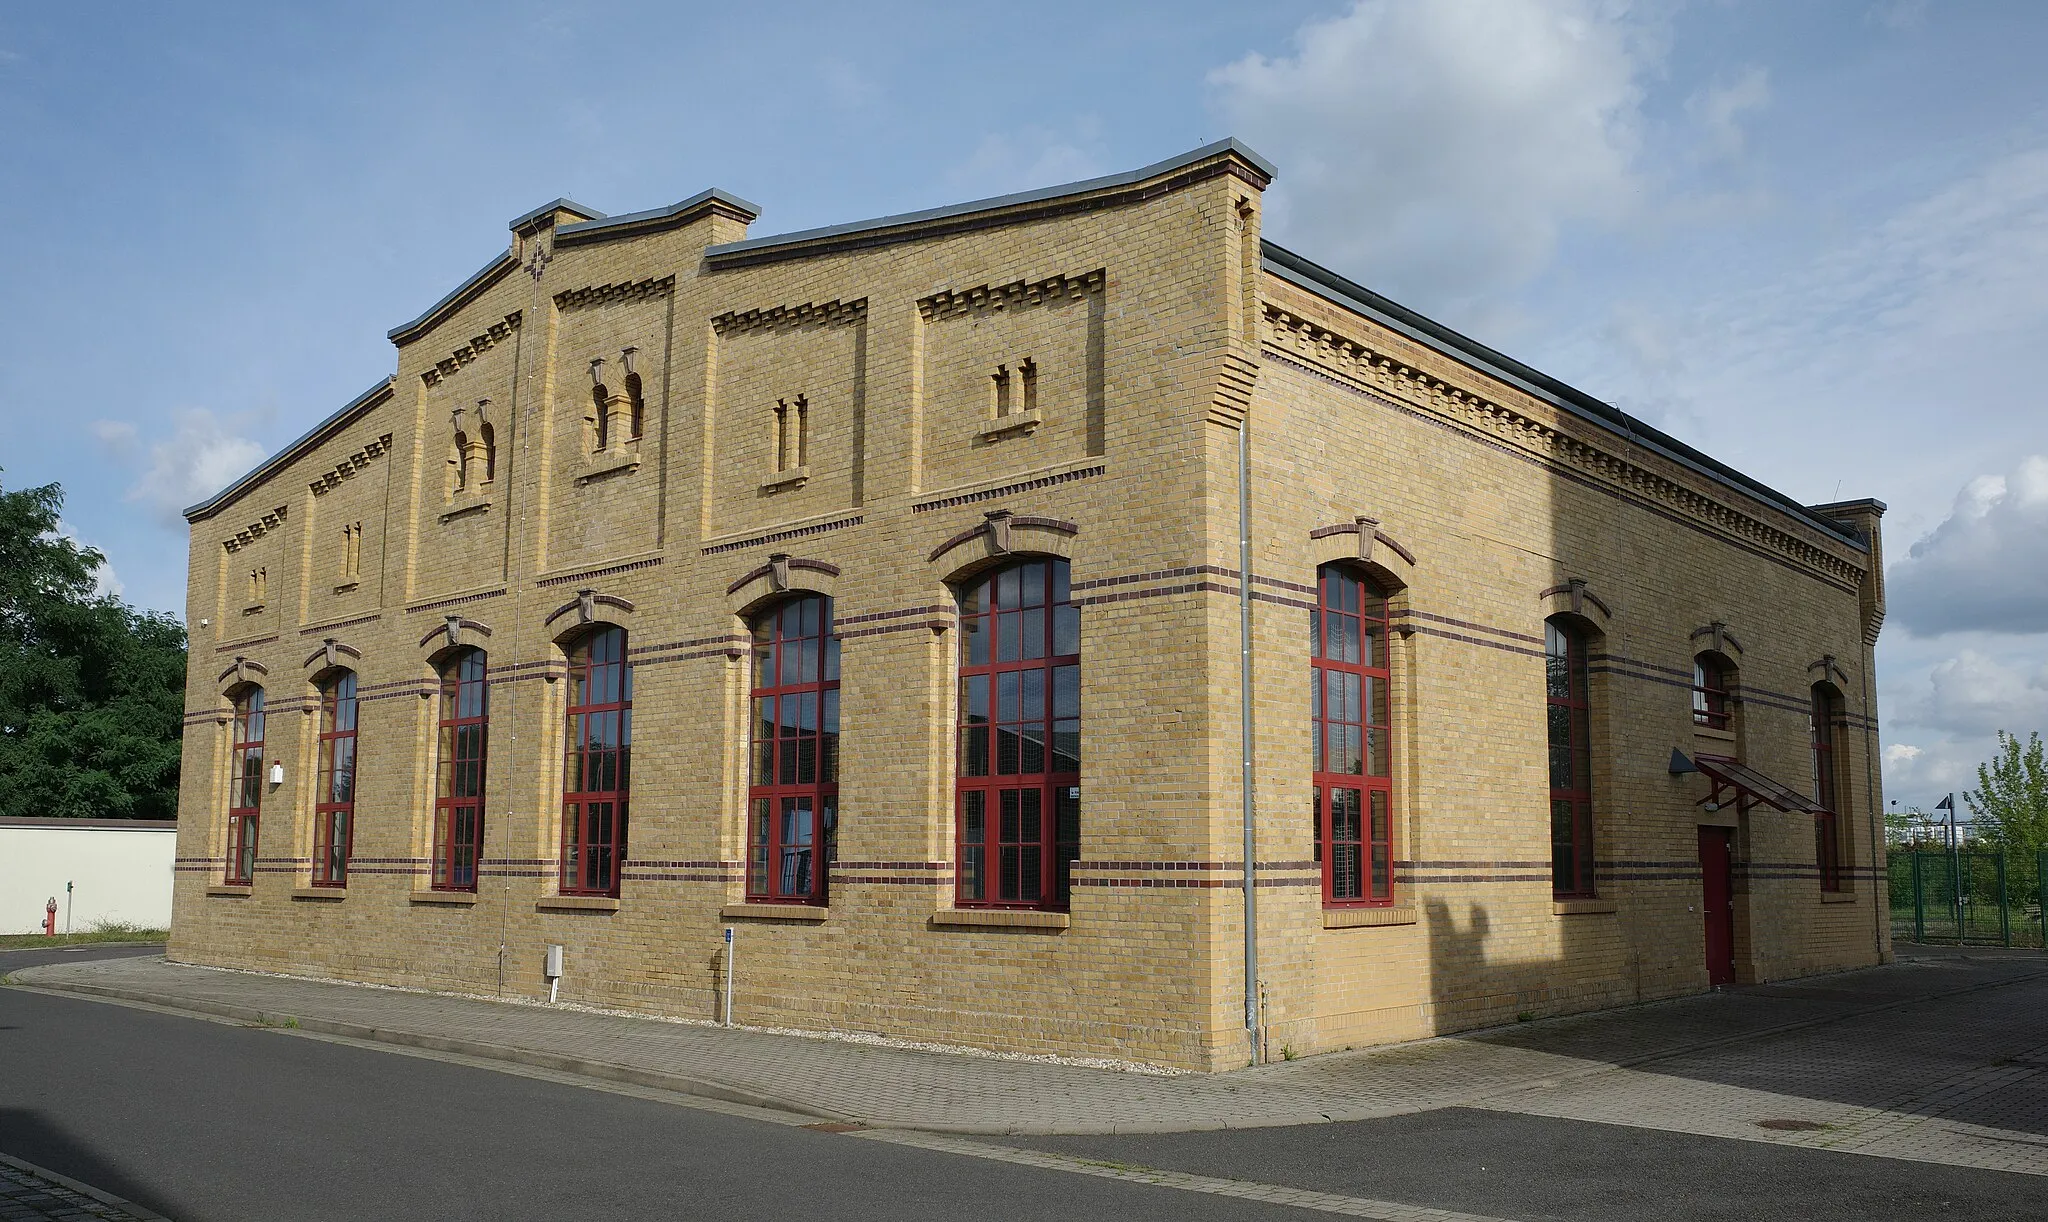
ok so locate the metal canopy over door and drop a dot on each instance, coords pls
(1718, 902)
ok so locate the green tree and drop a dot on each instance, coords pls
(2010, 803)
(91, 689)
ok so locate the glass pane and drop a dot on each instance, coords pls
(1010, 696)
(1006, 830)
(1059, 570)
(1009, 636)
(1030, 823)
(764, 664)
(1033, 695)
(1376, 701)
(807, 671)
(971, 882)
(1031, 743)
(1345, 880)
(1007, 750)
(975, 641)
(1066, 746)
(1382, 826)
(1344, 815)
(1032, 628)
(831, 658)
(1353, 761)
(1376, 646)
(975, 699)
(1378, 761)
(1066, 631)
(1007, 588)
(974, 751)
(1347, 637)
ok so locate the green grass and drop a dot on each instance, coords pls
(101, 931)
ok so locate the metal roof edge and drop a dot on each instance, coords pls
(675, 211)
(1087, 186)
(313, 436)
(1323, 282)
(61, 823)
(477, 282)
(559, 204)
(1862, 502)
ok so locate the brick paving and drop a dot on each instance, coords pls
(28, 1194)
(1942, 1057)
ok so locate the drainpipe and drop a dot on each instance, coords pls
(1880, 875)
(1253, 1019)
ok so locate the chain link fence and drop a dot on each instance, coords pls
(1970, 897)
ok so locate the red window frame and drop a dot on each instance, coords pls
(245, 787)
(334, 791)
(1827, 847)
(464, 750)
(793, 787)
(1568, 713)
(1711, 706)
(596, 776)
(1018, 793)
(1350, 715)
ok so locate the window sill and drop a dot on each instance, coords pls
(774, 912)
(1012, 918)
(1586, 907)
(1707, 734)
(604, 466)
(463, 508)
(230, 889)
(463, 898)
(576, 903)
(1838, 897)
(790, 480)
(320, 893)
(1359, 918)
(347, 587)
(1003, 426)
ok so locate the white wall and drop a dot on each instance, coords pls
(119, 872)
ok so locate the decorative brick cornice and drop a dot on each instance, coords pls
(990, 494)
(355, 462)
(809, 314)
(610, 294)
(257, 529)
(986, 298)
(497, 333)
(1352, 362)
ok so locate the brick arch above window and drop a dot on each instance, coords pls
(244, 672)
(1365, 541)
(330, 657)
(1575, 596)
(570, 620)
(783, 575)
(999, 536)
(453, 633)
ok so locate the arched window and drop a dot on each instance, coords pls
(636, 406)
(487, 438)
(1019, 795)
(1712, 678)
(245, 786)
(794, 791)
(459, 774)
(1569, 712)
(600, 417)
(334, 802)
(458, 463)
(1827, 844)
(1349, 714)
(596, 771)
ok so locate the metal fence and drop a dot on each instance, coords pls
(1970, 898)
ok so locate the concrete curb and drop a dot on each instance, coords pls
(604, 1070)
(85, 1190)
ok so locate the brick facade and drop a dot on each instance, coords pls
(1155, 325)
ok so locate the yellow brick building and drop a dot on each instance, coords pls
(874, 592)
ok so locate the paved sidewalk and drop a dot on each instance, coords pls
(1941, 1057)
(30, 1194)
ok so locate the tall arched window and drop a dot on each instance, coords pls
(1349, 714)
(636, 407)
(1569, 712)
(1712, 678)
(245, 786)
(596, 770)
(1827, 844)
(1019, 795)
(794, 792)
(334, 801)
(459, 774)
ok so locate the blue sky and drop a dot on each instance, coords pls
(1811, 239)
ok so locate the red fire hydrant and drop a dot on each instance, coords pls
(50, 918)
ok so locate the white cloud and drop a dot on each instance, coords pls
(1440, 150)
(105, 581)
(1030, 158)
(201, 457)
(1985, 567)
(118, 436)
(1718, 109)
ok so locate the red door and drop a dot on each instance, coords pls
(1718, 902)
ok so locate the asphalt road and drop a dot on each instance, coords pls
(206, 1121)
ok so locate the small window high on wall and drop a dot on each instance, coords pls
(1713, 680)
(1350, 710)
